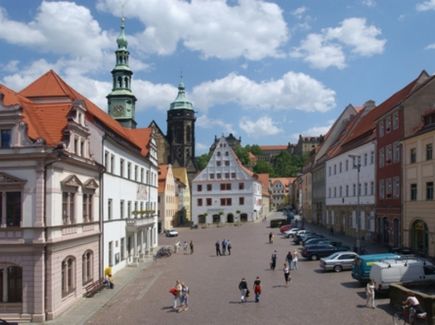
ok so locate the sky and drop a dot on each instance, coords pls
(265, 71)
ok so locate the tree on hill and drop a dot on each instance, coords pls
(264, 167)
(202, 160)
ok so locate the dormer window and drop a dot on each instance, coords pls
(429, 120)
(5, 138)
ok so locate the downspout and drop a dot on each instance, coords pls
(102, 170)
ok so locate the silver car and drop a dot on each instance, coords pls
(338, 261)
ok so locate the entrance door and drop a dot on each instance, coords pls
(420, 237)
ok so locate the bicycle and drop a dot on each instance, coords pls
(163, 252)
(408, 315)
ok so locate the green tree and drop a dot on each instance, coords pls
(243, 155)
(203, 160)
(264, 167)
(286, 165)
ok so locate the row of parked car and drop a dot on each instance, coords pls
(383, 268)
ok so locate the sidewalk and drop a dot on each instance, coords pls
(85, 308)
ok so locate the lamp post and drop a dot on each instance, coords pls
(357, 164)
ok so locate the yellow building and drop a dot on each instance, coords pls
(183, 193)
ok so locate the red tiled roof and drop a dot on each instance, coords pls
(284, 180)
(163, 173)
(264, 180)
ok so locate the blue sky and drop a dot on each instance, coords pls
(263, 70)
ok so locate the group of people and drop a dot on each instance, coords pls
(186, 246)
(181, 294)
(225, 244)
(244, 290)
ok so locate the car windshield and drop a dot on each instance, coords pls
(332, 256)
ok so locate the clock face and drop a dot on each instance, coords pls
(117, 110)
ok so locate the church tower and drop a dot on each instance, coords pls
(121, 101)
(181, 131)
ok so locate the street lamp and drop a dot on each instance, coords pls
(357, 164)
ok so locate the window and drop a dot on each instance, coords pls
(199, 202)
(218, 175)
(413, 192)
(389, 187)
(340, 167)
(199, 188)
(13, 208)
(68, 207)
(372, 188)
(129, 209)
(388, 124)
(110, 253)
(329, 170)
(412, 155)
(429, 191)
(395, 120)
(233, 175)
(121, 168)
(388, 154)
(347, 190)
(218, 163)
(218, 153)
(12, 291)
(365, 159)
(5, 138)
(396, 151)
(381, 128)
(87, 207)
(87, 272)
(347, 164)
(76, 151)
(68, 276)
(208, 202)
(381, 157)
(335, 191)
(209, 187)
(340, 191)
(241, 201)
(109, 209)
(106, 159)
(354, 189)
(122, 249)
(381, 189)
(329, 192)
(121, 209)
(429, 119)
(141, 175)
(372, 157)
(226, 202)
(241, 186)
(227, 175)
(225, 186)
(226, 153)
(396, 187)
(335, 169)
(366, 189)
(227, 162)
(129, 170)
(359, 189)
(211, 176)
(136, 174)
(429, 151)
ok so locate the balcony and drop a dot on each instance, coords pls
(143, 218)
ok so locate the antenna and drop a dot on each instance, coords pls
(122, 7)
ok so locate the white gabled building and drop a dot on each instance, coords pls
(225, 191)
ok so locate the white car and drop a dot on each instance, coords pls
(171, 233)
(291, 232)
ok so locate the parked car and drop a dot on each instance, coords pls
(363, 264)
(286, 227)
(387, 272)
(317, 251)
(171, 233)
(291, 232)
(338, 261)
(315, 240)
(300, 238)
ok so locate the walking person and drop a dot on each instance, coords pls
(286, 271)
(191, 247)
(273, 261)
(295, 259)
(176, 291)
(224, 247)
(257, 289)
(370, 294)
(184, 298)
(289, 258)
(229, 247)
(270, 238)
(218, 248)
(243, 287)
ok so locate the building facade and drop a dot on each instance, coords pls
(225, 191)
(168, 203)
(279, 194)
(184, 213)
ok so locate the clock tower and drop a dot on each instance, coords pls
(121, 101)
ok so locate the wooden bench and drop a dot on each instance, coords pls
(93, 288)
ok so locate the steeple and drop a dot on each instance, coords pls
(181, 102)
(121, 100)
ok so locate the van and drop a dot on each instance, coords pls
(276, 223)
(363, 264)
(387, 272)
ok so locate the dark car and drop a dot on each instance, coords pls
(316, 240)
(317, 251)
(276, 223)
(299, 239)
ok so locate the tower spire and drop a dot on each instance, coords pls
(121, 100)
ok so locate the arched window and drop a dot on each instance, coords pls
(126, 82)
(119, 82)
(87, 267)
(11, 284)
(68, 275)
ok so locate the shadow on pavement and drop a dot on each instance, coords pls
(353, 284)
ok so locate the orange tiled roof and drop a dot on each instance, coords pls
(50, 85)
(264, 180)
(272, 147)
(284, 180)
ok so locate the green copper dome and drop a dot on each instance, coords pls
(181, 102)
(122, 40)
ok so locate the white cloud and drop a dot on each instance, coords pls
(369, 3)
(299, 12)
(314, 131)
(430, 47)
(293, 91)
(426, 5)
(206, 123)
(264, 126)
(150, 95)
(58, 27)
(319, 54)
(253, 29)
(328, 48)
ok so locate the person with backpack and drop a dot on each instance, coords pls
(244, 291)
(257, 289)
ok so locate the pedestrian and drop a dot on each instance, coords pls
(270, 238)
(176, 292)
(185, 246)
(191, 247)
(295, 259)
(286, 271)
(370, 294)
(224, 246)
(273, 261)
(184, 298)
(257, 289)
(229, 247)
(243, 287)
(289, 258)
(218, 248)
